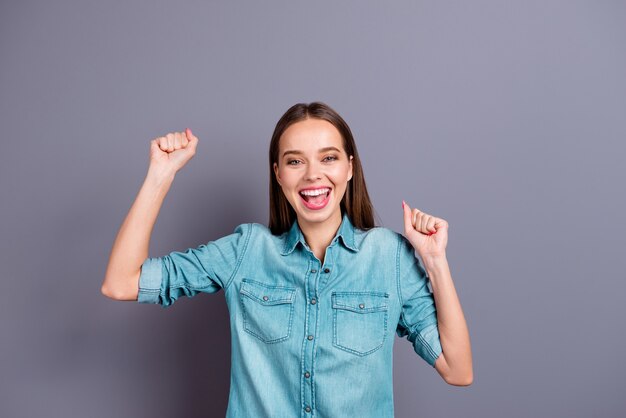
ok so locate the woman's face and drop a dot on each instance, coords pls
(313, 170)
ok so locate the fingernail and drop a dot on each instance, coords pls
(403, 204)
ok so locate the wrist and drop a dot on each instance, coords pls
(160, 177)
(435, 262)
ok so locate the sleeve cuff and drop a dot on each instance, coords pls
(428, 345)
(150, 280)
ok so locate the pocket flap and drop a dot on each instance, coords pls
(267, 294)
(360, 302)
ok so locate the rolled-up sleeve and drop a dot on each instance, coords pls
(207, 268)
(418, 318)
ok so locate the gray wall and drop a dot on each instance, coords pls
(507, 119)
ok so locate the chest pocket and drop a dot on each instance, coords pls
(359, 321)
(267, 310)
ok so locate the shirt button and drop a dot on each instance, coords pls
(307, 374)
(313, 271)
(310, 337)
(326, 270)
(265, 298)
(313, 301)
(308, 409)
(361, 306)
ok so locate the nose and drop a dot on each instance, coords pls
(313, 172)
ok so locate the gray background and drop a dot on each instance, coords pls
(505, 118)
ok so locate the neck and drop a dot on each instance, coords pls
(319, 235)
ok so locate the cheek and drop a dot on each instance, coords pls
(287, 178)
(339, 174)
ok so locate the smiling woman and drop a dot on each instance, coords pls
(316, 134)
(316, 297)
(313, 170)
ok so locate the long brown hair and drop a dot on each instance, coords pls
(355, 202)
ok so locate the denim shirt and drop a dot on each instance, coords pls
(308, 339)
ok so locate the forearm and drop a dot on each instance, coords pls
(453, 332)
(131, 245)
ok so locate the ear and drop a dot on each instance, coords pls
(351, 172)
(275, 166)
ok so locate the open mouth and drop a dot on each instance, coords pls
(315, 198)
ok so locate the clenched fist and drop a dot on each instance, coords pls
(427, 234)
(170, 153)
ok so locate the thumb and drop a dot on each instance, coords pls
(193, 140)
(408, 224)
(154, 147)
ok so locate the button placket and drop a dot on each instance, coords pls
(326, 271)
(311, 314)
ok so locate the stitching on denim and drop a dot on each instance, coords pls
(360, 293)
(251, 331)
(412, 334)
(269, 287)
(239, 261)
(150, 288)
(364, 353)
(160, 273)
(416, 335)
(313, 355)
(351, 308)
(306, 320)
(398, 272)
(427, 346)
(189, 287)
(348, 349)
(382, 296)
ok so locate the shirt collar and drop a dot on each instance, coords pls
(345, 231)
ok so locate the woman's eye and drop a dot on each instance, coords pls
(293, 162)
(330, 158)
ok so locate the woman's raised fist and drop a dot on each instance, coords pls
(171, 152)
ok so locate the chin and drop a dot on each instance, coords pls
(320, 216)
(316, 217)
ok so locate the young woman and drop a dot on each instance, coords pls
(316, 298)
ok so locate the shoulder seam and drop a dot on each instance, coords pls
(239, 261)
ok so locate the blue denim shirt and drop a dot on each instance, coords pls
(308, 339)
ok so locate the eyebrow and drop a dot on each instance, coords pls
(320, 151)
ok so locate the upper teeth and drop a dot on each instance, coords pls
(315, 192)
